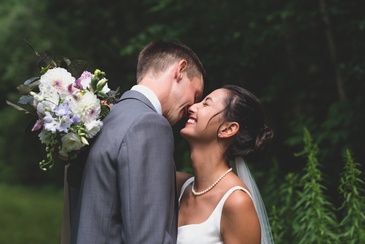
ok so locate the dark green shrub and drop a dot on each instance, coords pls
(353, 206)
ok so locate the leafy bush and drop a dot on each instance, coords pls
(303, 212)
(353, 206)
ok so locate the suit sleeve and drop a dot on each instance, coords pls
(146, 182)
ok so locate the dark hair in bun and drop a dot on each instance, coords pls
(254, 134)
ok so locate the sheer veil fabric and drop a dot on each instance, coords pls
(244, 174)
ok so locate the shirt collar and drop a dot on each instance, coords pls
(151, 96)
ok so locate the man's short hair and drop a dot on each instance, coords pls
(159, 55)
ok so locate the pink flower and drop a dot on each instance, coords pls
(84, 81)
(38, 125)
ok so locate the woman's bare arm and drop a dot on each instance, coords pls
(240, 223)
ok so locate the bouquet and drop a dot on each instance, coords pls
(69, 102)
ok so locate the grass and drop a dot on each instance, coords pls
(30, 215)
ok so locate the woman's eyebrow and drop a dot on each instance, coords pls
(208, 99)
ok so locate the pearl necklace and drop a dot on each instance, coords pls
(210, 187)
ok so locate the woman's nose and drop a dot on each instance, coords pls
(192, 109)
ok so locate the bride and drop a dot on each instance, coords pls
(216, 205)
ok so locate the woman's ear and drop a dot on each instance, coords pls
(228, 129)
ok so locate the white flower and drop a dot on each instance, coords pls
(51, 123)
(70, 142)
(86, 83)
(45, 100)
(58, 79)
(87, 108)
(93, 127)
(45, 137)
(44, 106)
(105, 88)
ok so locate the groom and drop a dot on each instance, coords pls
(128, 192)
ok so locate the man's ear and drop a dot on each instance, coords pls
(228, 129)
(181, 67)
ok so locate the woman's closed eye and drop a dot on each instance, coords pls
(207, 101)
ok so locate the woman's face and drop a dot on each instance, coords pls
(205, 117)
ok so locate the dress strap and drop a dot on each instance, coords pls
(186, 183)
(229, 192)
(216, 215)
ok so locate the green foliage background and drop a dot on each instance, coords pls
(30, 215)
(303, 59)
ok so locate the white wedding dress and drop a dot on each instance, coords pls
(209, 230)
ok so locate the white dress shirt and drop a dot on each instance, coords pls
(151, 96)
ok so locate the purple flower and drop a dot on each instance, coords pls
(65, 123)
(50, 123)
(62, 110)
(71, 89)
(75, 119)
(61, 120)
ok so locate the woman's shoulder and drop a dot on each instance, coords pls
(238, 200)
(239, 218)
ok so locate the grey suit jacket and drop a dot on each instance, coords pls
(128, 192)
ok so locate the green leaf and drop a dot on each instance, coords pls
(17, 107)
